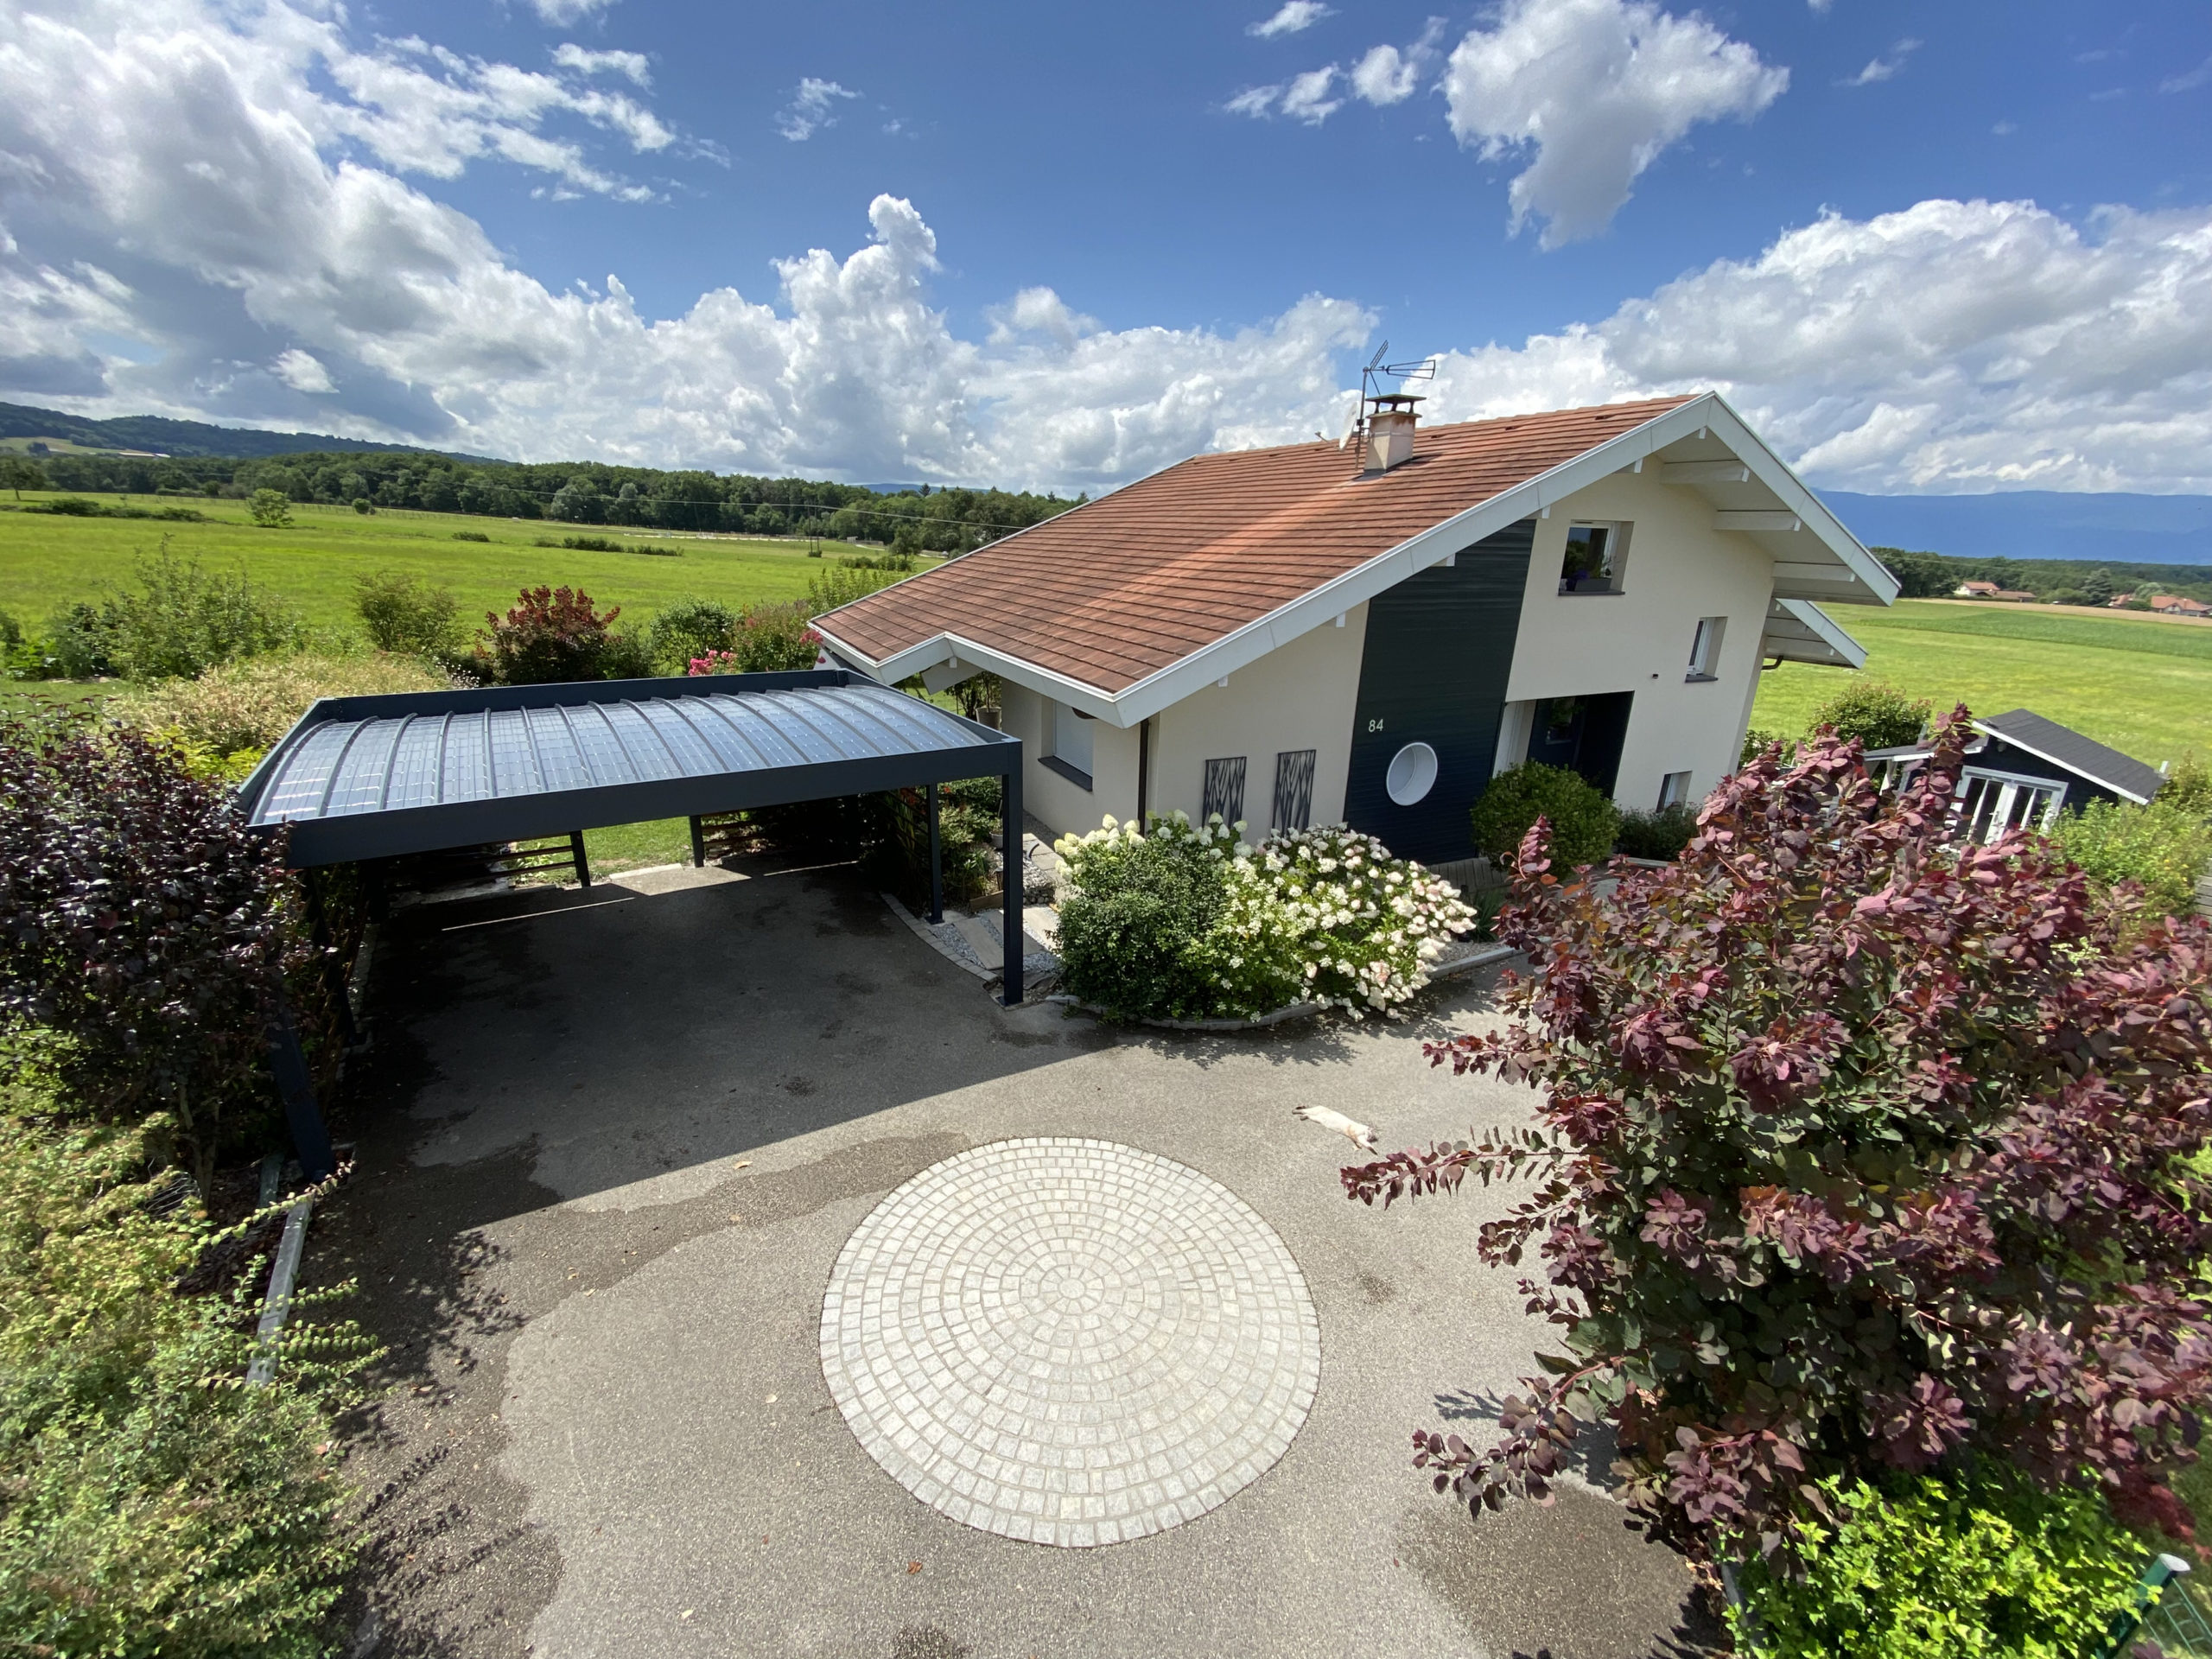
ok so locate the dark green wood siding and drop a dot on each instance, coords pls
(1434, 670)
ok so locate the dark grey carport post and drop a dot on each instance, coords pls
(936, 864)
(1010, 860)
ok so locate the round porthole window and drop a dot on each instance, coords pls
(1412, 774)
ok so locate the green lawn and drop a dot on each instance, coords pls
(48, 561)
(2139, 683)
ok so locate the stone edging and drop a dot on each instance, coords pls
(1480, 958)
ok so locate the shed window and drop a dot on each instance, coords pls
(1705, 648)
(1594, 559)
(1224, 792)
(1071, 756)
(1294, 789)
(1673, 789)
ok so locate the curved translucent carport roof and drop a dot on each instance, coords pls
(370, 778)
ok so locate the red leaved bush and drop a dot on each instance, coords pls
(1860, 1147)
(549, 635)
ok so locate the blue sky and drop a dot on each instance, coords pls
(1933, 248)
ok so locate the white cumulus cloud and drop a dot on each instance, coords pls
(585, 61)
(1307, 99)
(1884, 67)
(1952, 346)
(199, 217)
(1292, 17)
(1597, 89)
(813, 107)
(567, 14)
(303, 372)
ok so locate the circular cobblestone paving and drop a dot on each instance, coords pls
(1069, 1341)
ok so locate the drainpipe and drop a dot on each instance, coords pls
(1144, 769)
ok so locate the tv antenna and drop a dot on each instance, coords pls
(1371, 379)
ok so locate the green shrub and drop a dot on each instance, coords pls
(840, 584)
(2188, 786)
(1946, 1567)
(1756, 743)
(1183, 921)
(1137, 913)
(628, 655)
(238, 710)
(82, 642)
(179, 622)
(272, 509)
(1877, 714)
(405, 614)
(2166, 846)
(1583, 821)
(1660, 834)
(363, 504)
(689, 629)
(149, 1503)
(470, 535)
(591, 543)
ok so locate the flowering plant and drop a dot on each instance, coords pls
(1367, 925)
(1861, 1149)
(1188, 921)
(768, 639)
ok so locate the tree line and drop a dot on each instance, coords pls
(2058, 581)
(923, 520)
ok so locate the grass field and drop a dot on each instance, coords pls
(48, 561)
(2141, 684)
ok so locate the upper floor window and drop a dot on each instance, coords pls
(1705, 649)
(1594, 559)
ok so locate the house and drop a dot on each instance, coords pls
(2022, 770)
(1975, 590)
(2175, 605)
(1315, 634)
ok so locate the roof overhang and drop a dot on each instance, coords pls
(1798, 631)
(2074, 766)
(1815, 558)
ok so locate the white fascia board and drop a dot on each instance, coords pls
(1817, 623)
(1769, 468)
(2075, 767)
(944, 647)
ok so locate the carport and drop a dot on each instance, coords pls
(364, 778)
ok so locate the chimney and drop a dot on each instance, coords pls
(1391, 431)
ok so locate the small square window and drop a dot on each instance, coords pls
(1705, 648)
(1674, 789)
(1593, 558)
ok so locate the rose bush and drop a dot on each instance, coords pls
(1862, 1150)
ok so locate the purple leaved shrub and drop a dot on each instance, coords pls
(1861, 1148)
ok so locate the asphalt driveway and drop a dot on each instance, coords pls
(611, 1144)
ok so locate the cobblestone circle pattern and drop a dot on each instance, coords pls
(1071, 1342)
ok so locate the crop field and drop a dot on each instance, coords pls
(48, 560)
(2141, 684)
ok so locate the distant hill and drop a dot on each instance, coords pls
(167, 437)
(2035, 524)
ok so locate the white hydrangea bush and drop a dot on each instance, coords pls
(1369, 925)
(1325, 916)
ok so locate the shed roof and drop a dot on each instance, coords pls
(372, 777)
(2064, 747)
(1123, 605)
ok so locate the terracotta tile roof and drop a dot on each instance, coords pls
(1137, 581)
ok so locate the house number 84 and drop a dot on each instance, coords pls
(1375, 725)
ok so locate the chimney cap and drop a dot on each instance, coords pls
(1395, 399)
